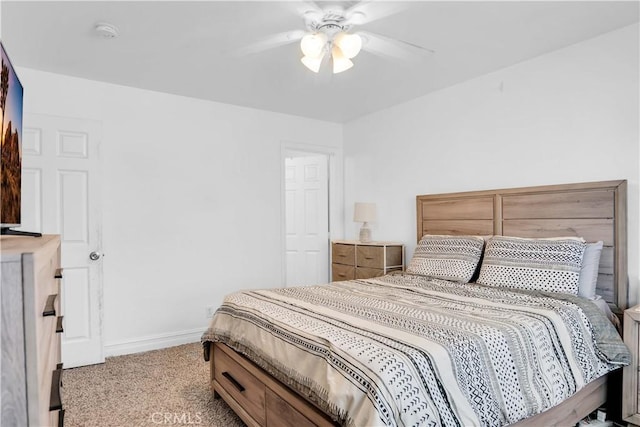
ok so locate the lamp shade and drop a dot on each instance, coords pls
(340, 62)
(349, 44)
(364, 212)
(312, 63)
(312, 45)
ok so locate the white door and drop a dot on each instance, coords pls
(61, 195)
(307, 220)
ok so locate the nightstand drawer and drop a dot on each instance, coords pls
(342, 272)
(374, 256)
(370, 256)
(343, 254)
(366, 273)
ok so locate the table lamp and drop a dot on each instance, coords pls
(364, 213)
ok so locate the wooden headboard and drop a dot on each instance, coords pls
(592, 210)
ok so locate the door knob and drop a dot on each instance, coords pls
(94, 256)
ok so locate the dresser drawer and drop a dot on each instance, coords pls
(48, 344)
(46, 266)
(343, 254)
(48, 351)
(247, 390)
(56, 418)
(341, 272)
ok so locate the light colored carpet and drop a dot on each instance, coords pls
(166, 387)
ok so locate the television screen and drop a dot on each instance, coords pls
(11, 92)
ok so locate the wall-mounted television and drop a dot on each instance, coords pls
(11, 98)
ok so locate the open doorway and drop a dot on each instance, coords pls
(306, 205)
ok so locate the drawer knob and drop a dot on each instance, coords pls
(233, 381)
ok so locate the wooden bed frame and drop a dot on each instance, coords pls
(594, 211)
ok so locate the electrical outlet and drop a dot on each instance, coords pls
(601, 415)
(210, 311)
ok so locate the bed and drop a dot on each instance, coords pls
(346, 353)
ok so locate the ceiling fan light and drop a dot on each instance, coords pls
(312, 63)
(340, 62)
(312, 45)
(350, 44)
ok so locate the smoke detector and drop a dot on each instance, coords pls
(106, 30)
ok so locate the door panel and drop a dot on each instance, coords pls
(73, 206)
(61, 195)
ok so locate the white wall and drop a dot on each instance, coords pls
(191, 189)
(191, 201)
(567, 116)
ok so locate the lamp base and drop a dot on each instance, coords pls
(365, 233)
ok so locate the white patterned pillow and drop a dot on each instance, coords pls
(447, 257)
(538, 264)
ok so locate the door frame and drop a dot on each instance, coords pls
(335, 198)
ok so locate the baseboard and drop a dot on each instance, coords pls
(152, 342)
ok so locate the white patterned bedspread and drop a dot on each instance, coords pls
(407, 350)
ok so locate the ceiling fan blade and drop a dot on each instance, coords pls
(271, 42)
(387, 46)
(307, 7)
(367, 11)
(308, 10)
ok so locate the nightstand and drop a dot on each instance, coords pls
(351, 259)
(630, 409)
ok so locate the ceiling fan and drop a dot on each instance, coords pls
(333, 31)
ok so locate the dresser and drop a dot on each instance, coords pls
(31, 326)
(631, 373)
(351, 259)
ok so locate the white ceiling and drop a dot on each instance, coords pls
(187, 48)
